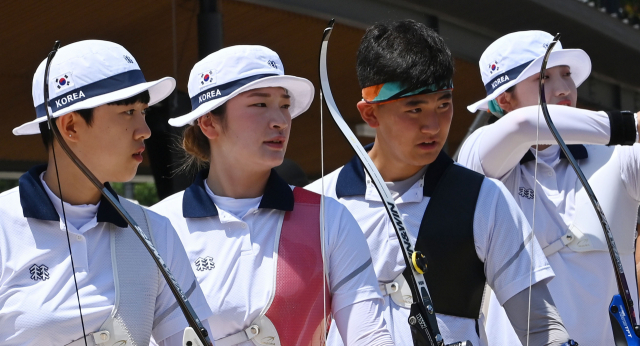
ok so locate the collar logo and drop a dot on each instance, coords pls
(64, 81)
(545, 45)
(128, 59)
(206, 78)
(493, 67)
(273, 64)
(526, 193)
(39, 272)
(204, 263)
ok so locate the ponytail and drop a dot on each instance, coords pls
(196, 145)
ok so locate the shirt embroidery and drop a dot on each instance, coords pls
(204, 263)
(39, 272)
(524, 192)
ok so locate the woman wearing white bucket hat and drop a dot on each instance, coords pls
(271, 265)
(564, 221)
(72, 271)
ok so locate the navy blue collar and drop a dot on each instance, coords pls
(196, 202)
(36, 203)
(578, 151)
(351, 179)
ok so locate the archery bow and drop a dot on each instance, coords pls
(181, 298)
(422, 319)
(621, 313)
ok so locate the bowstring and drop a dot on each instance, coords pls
(535, 185)
(322, 230)
(533, 222)
(55, 163)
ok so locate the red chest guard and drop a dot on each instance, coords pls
(295, 315)
(297, 309)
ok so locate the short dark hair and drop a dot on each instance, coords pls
(403, 51)
(87, 115)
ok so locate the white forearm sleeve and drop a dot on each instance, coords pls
(544, 322)
(503, 143)
(362, 324)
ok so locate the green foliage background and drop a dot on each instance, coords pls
(145, 193)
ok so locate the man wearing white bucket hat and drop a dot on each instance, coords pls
(564, 220)
(468, 226)
(274, 261)
(72, 272)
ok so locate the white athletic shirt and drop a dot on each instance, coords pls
(230, 244)
(39, 306)
(499, 229)
(581, 294)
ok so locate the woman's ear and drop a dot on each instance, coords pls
(210, 128)
(506, 101)
(368, 113)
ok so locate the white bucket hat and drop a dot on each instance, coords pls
(88, 74)
(517, 56)
(232, 70)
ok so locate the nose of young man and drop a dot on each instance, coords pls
(143, 131)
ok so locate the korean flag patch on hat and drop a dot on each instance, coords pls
(88, 74)
(230, 71)
(517, 56)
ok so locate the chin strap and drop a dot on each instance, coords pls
(181, 298)
(422, 319)
(621, 312)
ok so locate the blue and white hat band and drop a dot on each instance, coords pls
(505, 77)
(101, 87)
(88, 74)
(224, 90)
(518, 56)
(229, 72)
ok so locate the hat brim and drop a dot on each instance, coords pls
(301, 91)
(158, 91)
(577, 59)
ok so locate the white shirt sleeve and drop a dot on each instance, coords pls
(362, 324)
(495, 149)
(169, 319)
(630, 168)
(505, 244)
(351, 275)
(352, 279)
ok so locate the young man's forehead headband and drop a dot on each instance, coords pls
(394, 91)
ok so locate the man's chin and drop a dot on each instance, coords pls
(426, 159)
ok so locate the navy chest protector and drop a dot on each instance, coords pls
(455, 274)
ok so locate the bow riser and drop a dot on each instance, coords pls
(623, 333)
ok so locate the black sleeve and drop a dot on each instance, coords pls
(623, 128)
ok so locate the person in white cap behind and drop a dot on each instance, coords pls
(272, 263)
(65, 271)
(564, 220)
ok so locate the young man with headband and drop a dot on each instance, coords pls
(467, 226)
(65, 270)
(565, 222)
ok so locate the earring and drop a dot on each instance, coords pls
(69, 135)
